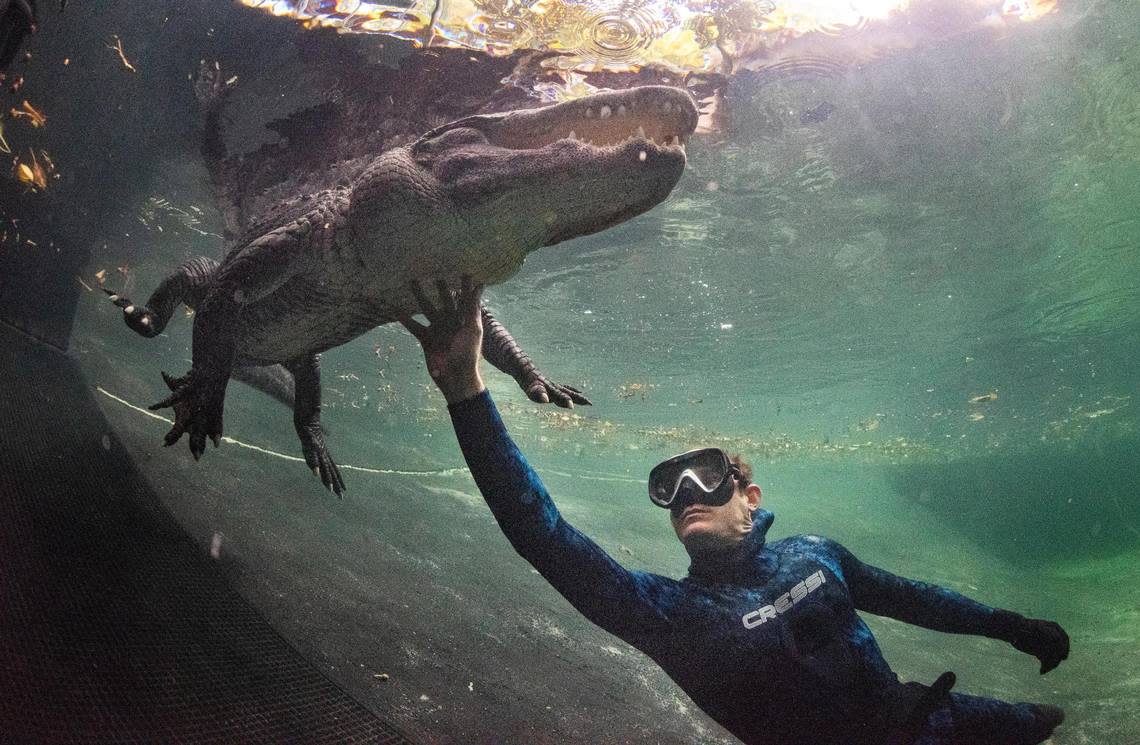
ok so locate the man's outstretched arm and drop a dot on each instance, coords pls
(877, 591)
(611, 596)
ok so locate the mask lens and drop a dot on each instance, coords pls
(705, 468)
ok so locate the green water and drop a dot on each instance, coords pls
(827, 298)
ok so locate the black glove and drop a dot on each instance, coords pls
(1045, 640)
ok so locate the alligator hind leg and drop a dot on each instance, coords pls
(307, 421)
(198, 397)
(502, 351)
(272, 380)
(187, 284)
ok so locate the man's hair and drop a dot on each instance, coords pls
(745, 469)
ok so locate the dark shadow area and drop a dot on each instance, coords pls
(40, 303)
(116, 626)
(1043, 505)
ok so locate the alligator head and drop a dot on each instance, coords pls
(505, 184)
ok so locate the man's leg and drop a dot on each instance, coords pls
(970, 720)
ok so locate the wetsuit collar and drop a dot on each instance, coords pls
(737, 565)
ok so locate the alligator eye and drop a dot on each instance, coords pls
(451, 138)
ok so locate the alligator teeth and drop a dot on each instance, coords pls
(621, 110)
(589, 113)
(605, 112)
(641, 131)
(572, 135)
(642, 156)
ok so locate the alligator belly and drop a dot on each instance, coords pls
(285, 326)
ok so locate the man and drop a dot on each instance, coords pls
(763, 637)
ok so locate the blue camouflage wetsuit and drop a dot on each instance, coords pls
(766, 641)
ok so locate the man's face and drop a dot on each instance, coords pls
(702, 527)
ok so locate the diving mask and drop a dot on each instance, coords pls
(701, 476)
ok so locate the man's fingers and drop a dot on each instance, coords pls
(446, 298)
(421, 297)
(471, 301)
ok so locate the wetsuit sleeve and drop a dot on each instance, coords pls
(877, 591)
(620, 601)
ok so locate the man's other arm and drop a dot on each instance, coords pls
(923, 604)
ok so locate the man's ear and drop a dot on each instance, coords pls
(752, 494)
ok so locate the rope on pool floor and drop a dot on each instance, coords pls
(283, 456)
(363, 469)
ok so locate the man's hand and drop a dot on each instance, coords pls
(1045, 640)
(454, 339)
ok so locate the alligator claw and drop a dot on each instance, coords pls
(543, 391)
(198, 406)
(139, 318)
(318, 459)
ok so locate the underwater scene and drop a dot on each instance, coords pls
(899, 274)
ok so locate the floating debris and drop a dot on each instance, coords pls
(159, 208)
(33, 174)
(984, 398)
(118, 47)
(35, 117)
(976, 417)
(629, 390)
(101, 276)
(5, 148)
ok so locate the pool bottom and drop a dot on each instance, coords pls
(117, 627)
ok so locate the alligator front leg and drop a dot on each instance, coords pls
(187, 284)
(307, 420)
(502, 351)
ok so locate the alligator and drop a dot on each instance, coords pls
(471, 197)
